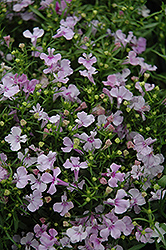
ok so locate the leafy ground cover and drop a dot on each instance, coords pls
(82, 121)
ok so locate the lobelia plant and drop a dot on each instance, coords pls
(82, 120)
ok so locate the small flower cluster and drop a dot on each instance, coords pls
(81, 159)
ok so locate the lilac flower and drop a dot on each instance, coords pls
(70, 94)
(15, 138)
(46, 162)
(136, 199)
(38, 111)
(121, 93)
(91, 143)
(60, 7)
(121, 37)
(137, 171)
(111, 81)
(29, 87)
(37, 183)
(26, 159)
(3, 173)
(145, 235)
(45, 3)
(138, 45)
(157, 195)
(8, 88)
(132, 59)
(66, 28)
(84, 119)
(39, 230)
(60, 70)
(147, 86)
(141, 145)
(88, 73)
(112, 228)
(128, 225)
(159, 232)
(29, 242)
(120, 204)
(36, 34)
(138, 103)
(76, 233)
(21, 177)
(75, 165)
(48, 240)
(35, 200)
(87, 61)
(64, 206)
(96, 242)
(145, 66)
(116, 118)
(50, 58)
(114, 175)
(70, 145)
(19, 6)
(48, 178)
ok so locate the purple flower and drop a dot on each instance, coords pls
(96, 242)
(141, 145)
(147, 86)
(128, 225)
(37, 183)
(145, 235)
(88, 73)
(113, 228)
(84, 119)
(36, 34)
(116, 118)
(15, 138)
(132, 59)
(35, 200)
(121, 37)
(70, 145)
(64, 206)
(145, 66)
(39, 230)
(76, 233)
(120, 204)
(121, 93)
(70, 94)
(29, 242)
(138, 103)
(3, 173)
(21, 177)
(136, 199)
(50, 58)
(9, 87)
(29, 87)
(87, 61)
(111, 81)
(75, 165)
(114, 175)
(48, 240)
(91, 143)
(48, 178)
(26, 159)
(46, 162)
(138, 45)
(19, 6)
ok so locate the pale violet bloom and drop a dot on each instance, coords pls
(121, 94)
(21, 178)
(15, 138)
(84, 119)
(29, 241)
(136, 199)
(75, 165)
(35, 35)
(121, 205)
(64, 206)
(8, 87)
(23, 4)
(87, 61)
(88, 73)
(159, 232)
(26, 159)
(90, 142)
(50, 58)
(35, 200)
(48, 240)
(76, 233)
(114, 175)
(45, 162)
(37, 183)
(141, 145)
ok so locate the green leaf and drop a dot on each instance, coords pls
(137, 247)
(37, 13)
(159, 54)
(162, 181)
